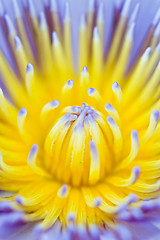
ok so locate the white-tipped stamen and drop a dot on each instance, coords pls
(118, 140)
(94, 173)
(68, 85)
(100, 15)
(117, 92)
(112, 112)
(97, 51)
(129, 35)
(134, 84)
(10, 26)
(126, 8)
(31, 8)
(134, 149)
(49, 107)
(91, 4)
(92, 92)
(42, 20)
(21, 120)
(100, 22)
(157, 17)
(58, 52)
(53, 6)
(29, 77)
(154, 118)
(63, 191)
(83, 46)
(33, 156)
(16, 9)
(146, 54)
(97, 202)
(96, 34)
(122, 182)
(134, 14)
(67, 35)
(83, 24)
(157, 31)
(84, 78)
(18, 43)
(20, 55)
(67, 12)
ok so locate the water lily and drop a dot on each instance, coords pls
(79, 123)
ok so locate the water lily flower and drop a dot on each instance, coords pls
(79, 120)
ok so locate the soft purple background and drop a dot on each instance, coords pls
(146, 14)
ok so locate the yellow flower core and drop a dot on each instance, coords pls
(75, 146)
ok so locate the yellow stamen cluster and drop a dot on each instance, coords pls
(74, 146)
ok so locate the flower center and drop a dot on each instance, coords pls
(77, 147)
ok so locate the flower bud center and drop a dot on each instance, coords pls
(77, 149)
